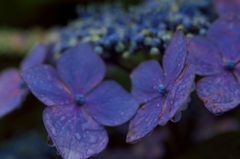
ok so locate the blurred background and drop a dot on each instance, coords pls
(23, 22)
(199, 134)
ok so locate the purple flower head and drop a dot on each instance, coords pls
(224, 7)
(217, 57)
(12, 88)
(164, 93)
(79, 103)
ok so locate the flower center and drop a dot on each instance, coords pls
(79, 99)
(22, 84)
(162, 89)
(230, 65)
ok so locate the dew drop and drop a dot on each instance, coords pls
(162, 123)
(192, 87)
(57, 152)
(135, 141)
(71, 126)
(149, 133)
(218, 114)
(93, 139)
(103, 143)
(176, 117)
(78, 136)
(62, 118)
(184, 107)
(90, 152)
(58, 124)
(53, 131)
(50, 142)
(148, 123)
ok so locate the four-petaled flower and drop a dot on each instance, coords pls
(12, 88)
(164, 93)
(217, 57)
(79, 103)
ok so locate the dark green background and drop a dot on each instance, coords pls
(44, 13)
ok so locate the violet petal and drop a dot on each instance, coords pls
(110, 104)
(44, 83)
(220, 93)
(75, 134)
(177, 94)
(174, 57)
(205, 55)
(36, 56)
(145, 120)
(11, 93)
(80, 68)
(226, 34)
(224, 7)
(237, 72)
(145, 80)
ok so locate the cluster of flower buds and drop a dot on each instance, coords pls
(148, 27)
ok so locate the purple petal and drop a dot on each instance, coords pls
(110, 104)
(237, 72)
(204, 54)
(220, 93)
(225, 33)
(50, 57)
(11, 93)
(145, 120)
(75, 134)
(178, 94)
(36, 57)
(174, 57)
(224, 7)
(80, 68)
(145, 80)
(44, 83)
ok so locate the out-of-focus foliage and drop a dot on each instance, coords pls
(26, 145)
(18, 41)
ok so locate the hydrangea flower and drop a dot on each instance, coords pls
(224, 7)
(164, 93)
(147, 26)
(12, 88)
(78, 102)
(217, 57)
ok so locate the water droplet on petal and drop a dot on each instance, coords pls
(50, 142)
(78, 136)
(57, 153)
(135, 141)
(218, 114)
(93, 139)
(53, 131)
(176, 117)
(71, 126)
(62, 118)
(149, 133)
(148, 123)
(162, 123)
(90, 152)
